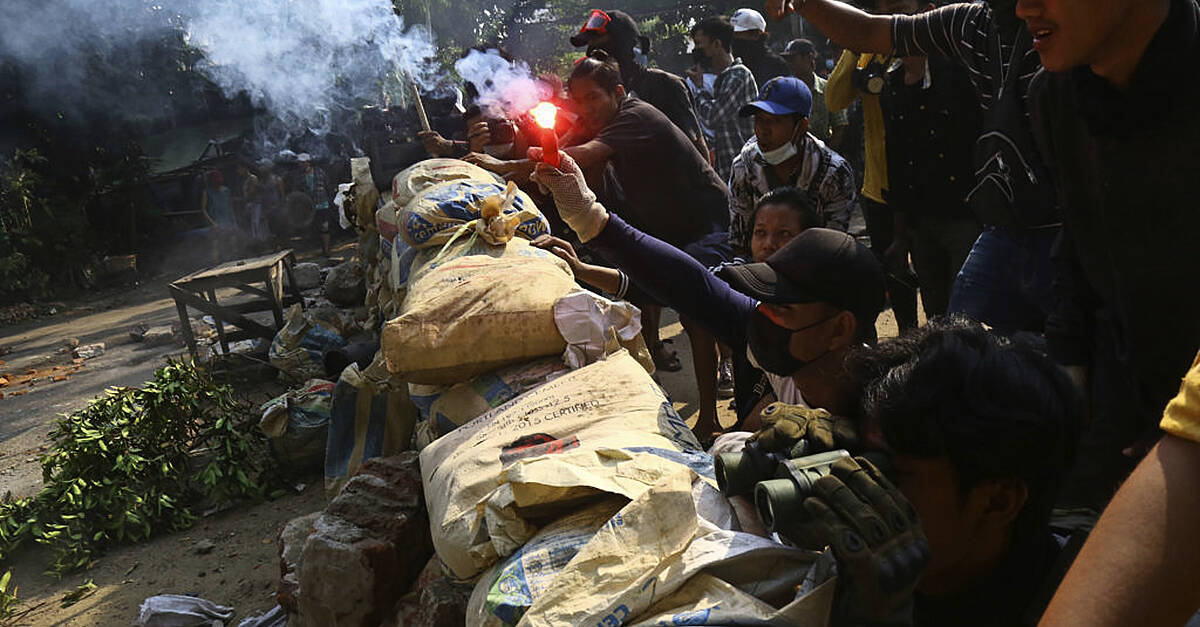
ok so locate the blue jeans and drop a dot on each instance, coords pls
(1006, 280)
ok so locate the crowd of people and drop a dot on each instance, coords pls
(255, 217)
(1023, 170)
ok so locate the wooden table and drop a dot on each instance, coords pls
(199, 291)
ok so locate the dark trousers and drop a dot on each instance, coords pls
(1005, 281)
(901, 284)
(940, 246)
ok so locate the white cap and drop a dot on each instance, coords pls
(748, 19)
(304, 157)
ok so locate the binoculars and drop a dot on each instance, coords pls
(778, 484)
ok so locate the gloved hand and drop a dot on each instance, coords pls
(576, 203)
(797, 431)
(876, 538)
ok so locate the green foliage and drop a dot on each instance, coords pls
(132, 463)
(8, 597)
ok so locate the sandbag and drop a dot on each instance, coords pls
(655, 558)
(297, 423)
(475, 313)
(298, 350)
(425, 174)
(371, 416)
(605, 428)
(467, 401)
(432, 217)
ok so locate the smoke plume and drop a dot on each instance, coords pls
(505, 89)
(301, 61)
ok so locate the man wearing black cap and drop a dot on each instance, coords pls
(827, 126)
(797, 315)
(782, 152)
(617, 34)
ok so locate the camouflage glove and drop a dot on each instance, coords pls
(876, 538)
(797, 431)
(576, 203)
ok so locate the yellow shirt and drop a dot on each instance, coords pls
(1182, 417)
(840, 93)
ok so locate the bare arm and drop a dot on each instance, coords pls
(1141, 564)
(590, 154)
(849, 27)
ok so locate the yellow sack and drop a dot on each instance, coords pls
(466, 315)
(425, 174)
(605, 428)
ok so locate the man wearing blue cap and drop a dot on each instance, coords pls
(783, 153)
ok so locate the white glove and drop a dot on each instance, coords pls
(576, 203)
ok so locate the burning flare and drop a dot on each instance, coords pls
(544, 114)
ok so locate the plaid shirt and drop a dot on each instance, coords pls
(718, 112)
(833, 195)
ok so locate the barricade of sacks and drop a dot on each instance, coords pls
(557, 475)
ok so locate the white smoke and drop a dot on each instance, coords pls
(302, 61)
(505, 89)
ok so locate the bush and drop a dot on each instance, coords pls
(19, 280)
(134, 462)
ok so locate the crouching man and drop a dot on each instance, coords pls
(979, 430)
(978, 433)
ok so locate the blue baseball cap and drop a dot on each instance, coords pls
(783, 95)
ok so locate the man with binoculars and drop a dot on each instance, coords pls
(978, 430)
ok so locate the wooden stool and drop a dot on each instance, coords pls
(199, 291)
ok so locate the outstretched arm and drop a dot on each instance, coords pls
(849, 27)
(664, 272)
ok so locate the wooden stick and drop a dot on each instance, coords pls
(416, 96)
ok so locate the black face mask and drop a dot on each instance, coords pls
(771, 344)
(746, 48)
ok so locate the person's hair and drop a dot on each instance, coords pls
(793, 199)
(995, 408)
(600, 68)
(717, 27)
(805, 46)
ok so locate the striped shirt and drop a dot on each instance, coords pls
(967, 33)
(718, 112)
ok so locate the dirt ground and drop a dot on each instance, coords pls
(242, 569)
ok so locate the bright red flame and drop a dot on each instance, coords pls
(544, 114)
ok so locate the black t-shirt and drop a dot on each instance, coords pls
(931, 133)
(667, 93)
(669, 190)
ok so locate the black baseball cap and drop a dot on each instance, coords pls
(616, 24)
(798, 46)
(817, 266)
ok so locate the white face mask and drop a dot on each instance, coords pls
(780, 154)
(498, 150)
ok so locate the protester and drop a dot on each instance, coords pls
(617, 34)
(734, 87)
(318, 190)
(216, 210)
(783, 153)
(932, 121)
(829, 127)
(979, 431)
(809, 304)
(270, 195)
(252, 192)
(750, 45)
(1144, 554)
(861, 77)
(1005, 281)
(665, 187)
(779, 217)
(1126, 321)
